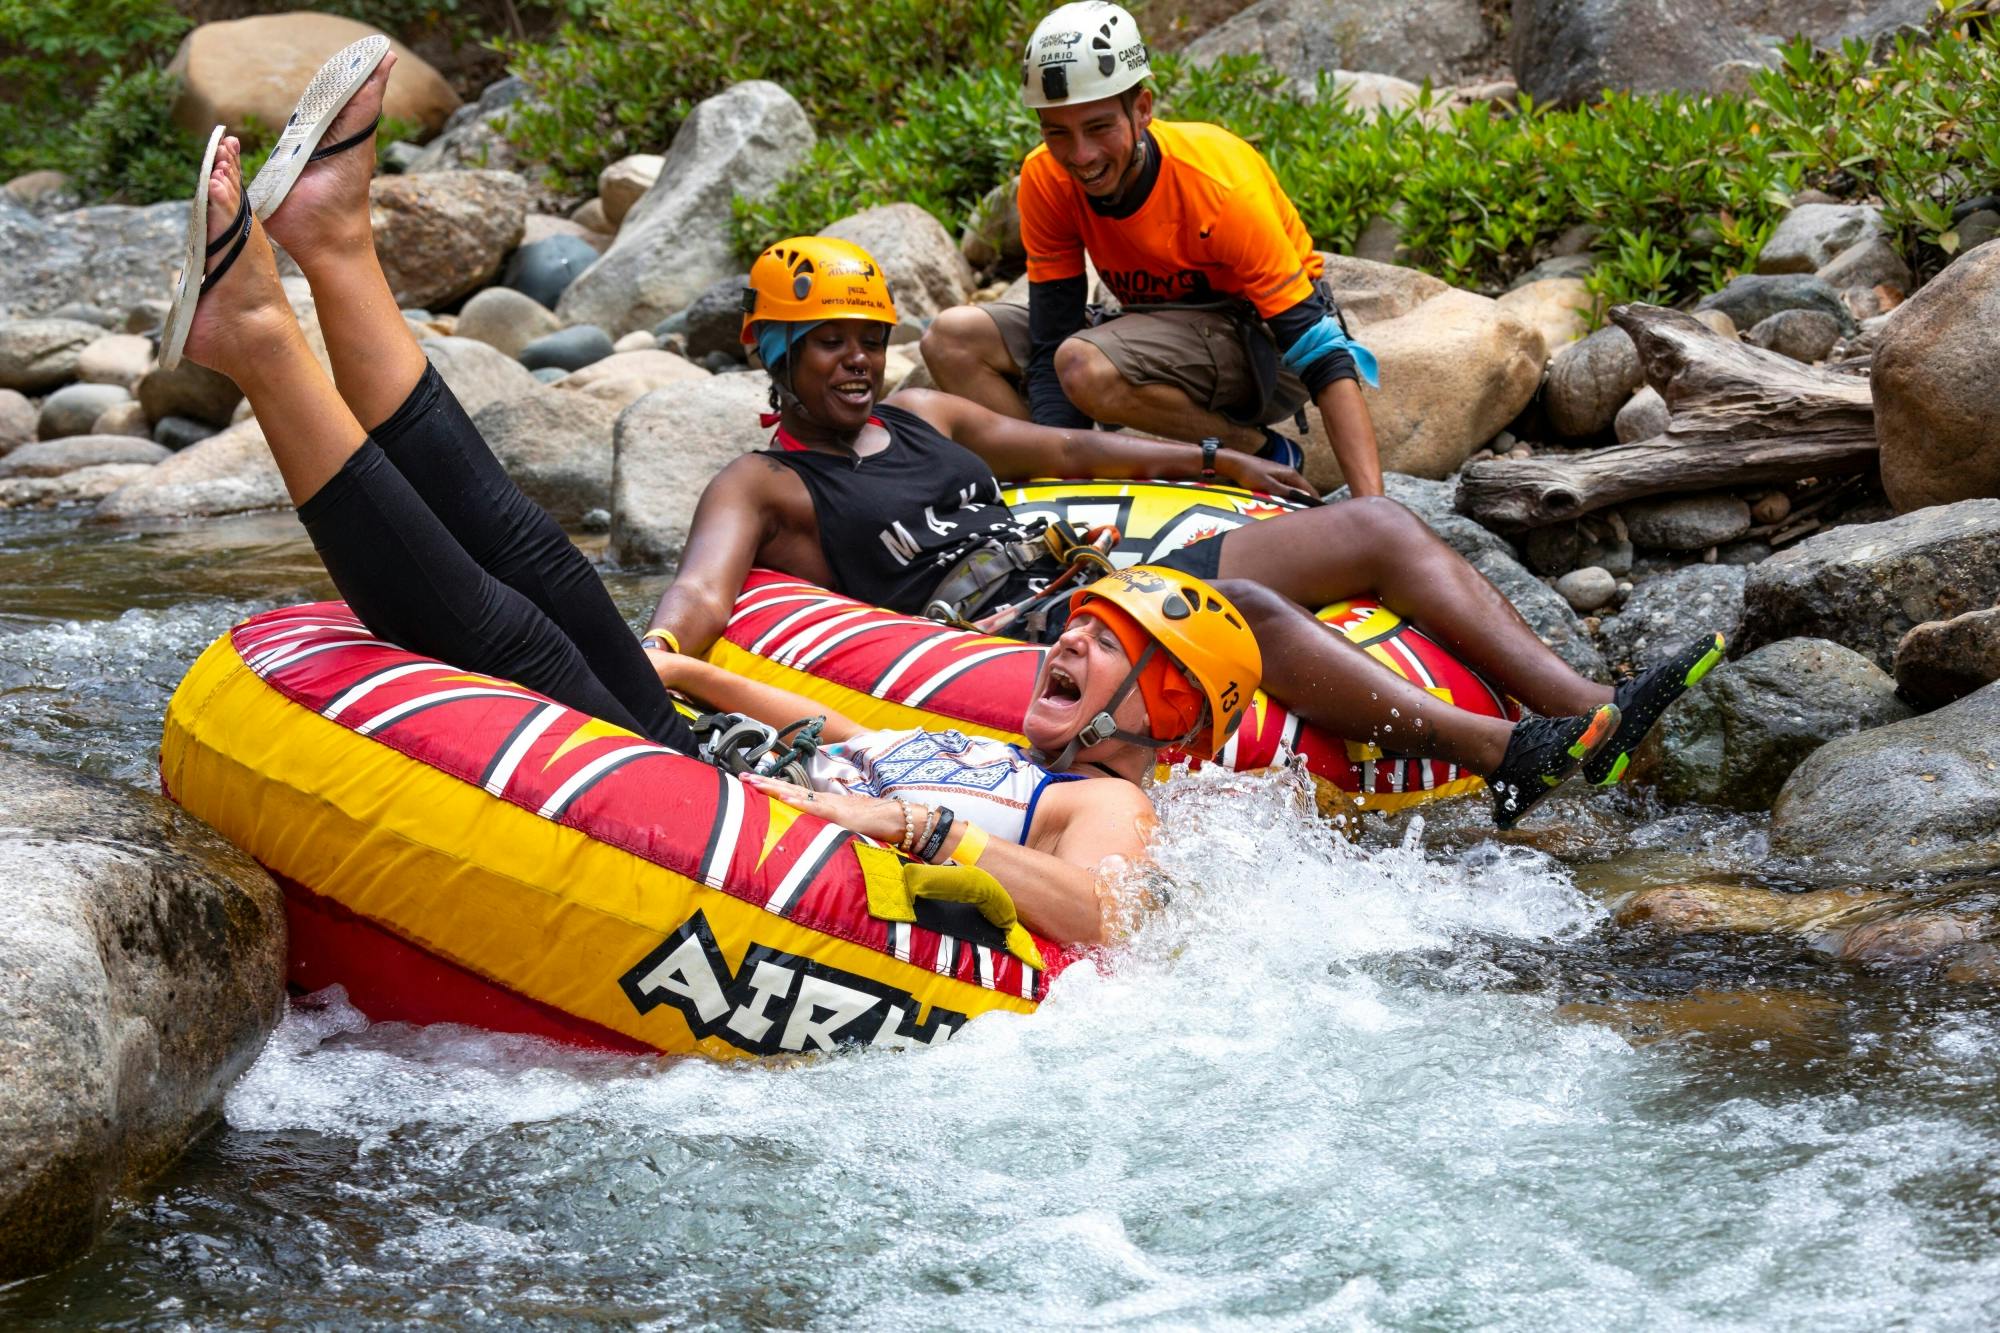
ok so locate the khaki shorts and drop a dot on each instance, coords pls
(1199, 352)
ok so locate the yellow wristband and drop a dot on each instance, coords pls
(971, 847)
(665, 636)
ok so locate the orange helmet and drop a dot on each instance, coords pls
(815, 277)
(1167, 619)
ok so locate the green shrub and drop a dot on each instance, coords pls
(53, 53)
(127, 146)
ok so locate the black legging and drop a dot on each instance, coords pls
(438, 551)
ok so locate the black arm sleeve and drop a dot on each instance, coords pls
(1288, 326)
(1055, 311)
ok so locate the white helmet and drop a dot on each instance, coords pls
(1081, 53)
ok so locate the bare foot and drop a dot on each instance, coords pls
(236, 318)
(327, 207)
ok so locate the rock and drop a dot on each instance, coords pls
(1976, 229)
(477, 375)
(1568, 51)
(146, 316)
(72, 409)
(1545, 610)
(1371, 293)
(178, 433)
(52, 458)
(549, 375)
(1431, 501)
(36, 189)
(1455, 370)
(925, 270)
(17, 419)
(442, 234)
(625, 377)
(1734, 739)
(545, 269)
(1710, 908)
(1643, 416)
(506, 319)
(254, 68)
(676, 240)
(620, 184)
(1752, 298)
(1868, 263)
(475, 137)
(86, 485)
(1770, 507)
(1426, 39)
(1664, 614)
(1381, 241)
(639, 340)
(110, 256)
(189, 390)
(227, 473)
(37, 355)
(992, 234)
(669, 444)
(1559, 307)
(1590, 380)
(148, 968)
(1803, 335)
(122, 359)
(1578, 266)
(547, 226)
(556, 446)
(568, 349)
(1587, 589)
(398, 157)
(1940, 661)
(714, 322)
(86, 313)
(1552, 550)
(1937, 399)
(1865, 585)
(1686, 522)
(1811, 235)
(1916, 798)
(122, 418)
(590, 216)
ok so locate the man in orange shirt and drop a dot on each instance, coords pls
(1224, 328)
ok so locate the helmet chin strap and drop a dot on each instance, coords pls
(1104, 727)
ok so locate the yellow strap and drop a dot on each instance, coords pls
(889, 895)
(972, 846)
(894, 885)
(664, 635)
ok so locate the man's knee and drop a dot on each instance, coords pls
(1088, 378)
(961, 339)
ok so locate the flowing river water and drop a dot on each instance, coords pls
(1425, 1080)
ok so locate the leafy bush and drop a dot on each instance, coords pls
(127, 146)
(52, 53)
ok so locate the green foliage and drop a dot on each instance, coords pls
(52, 53)
(622, 81)
(128, 147)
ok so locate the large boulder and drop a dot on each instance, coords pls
(1455, 371)
(1867, 584)
(505, 319)
(1734, 740)
(1370, 293)
(1916, 798)
(1665, 614)
(1569, 51)
(255, 68)
(925, 270)
(191, 391)
(228, 473)
(1810, 236)
(676, 238)
(478, 375)
(1590, 380)
(112, 256)
(669, 445)
(1937, 396)
(75, 408)
(443, 234)
(624, 378)
(556, 446)
(1425, 39)
(146, 965)
(1943, 660)
(1559, 307)
(52, 458)
(37, 355)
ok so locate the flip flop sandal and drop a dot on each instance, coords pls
(298, 147)
(192, 280)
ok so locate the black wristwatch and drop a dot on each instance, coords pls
(1208, 448)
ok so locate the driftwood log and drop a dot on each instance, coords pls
(1739, 415)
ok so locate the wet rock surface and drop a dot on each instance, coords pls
(556, 446)
(1937, 391)
(1663, 614)
(1943, 660)
(669, 445)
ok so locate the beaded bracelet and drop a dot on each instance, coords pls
(935, 842)
(924, 832)
(909, 828)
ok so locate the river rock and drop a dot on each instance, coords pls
(86, 485)
(505, 319)
(146, 967)
(1587, 589)
(72, 409)
(1665, 614)
(1811, 235)
(1869, 263)
(1431, 501)
(1644, 416)
(477, 375)
(556, 446)
(45, 189)
(1734, 740)
(1569, 51)
(87, 313)
(1937, 396)
(1545, 610)
(625, 377)
(1559, 307)
(925, 270)
(1917, 798)
(1686, 522)
(1943, 660)
(639, 340)
(714, 322)
(17, 419)
(676, 240)
(1590, 380)
(254, 68)
(124, 417)
(1455, 370)
(37, 355)
(228, 473)
(669, 444)
(1425, 39)
(442, 234)
(52, 458)
(567, 349)
(177, 433)
(1803, 335)
(189, 390)
(475, 137)
(1370, 293)
(620, 184)
(1752, 298)
(1866, 585)
(545, 269)
(111, 255)
(122, 359)
(992, 234)
(548, 226)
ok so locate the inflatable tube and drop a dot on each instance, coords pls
(458, 848)
(888, 670)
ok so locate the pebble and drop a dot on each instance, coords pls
(545, 269)
(550, 374)
(177, 433)
(1686, 522)
(1587, 589)
(122, 359)
(1770, 507)
(1802, 335)
(126, 418)
(568, 349)
(17, 419)
(639, 340)
(74, 408)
